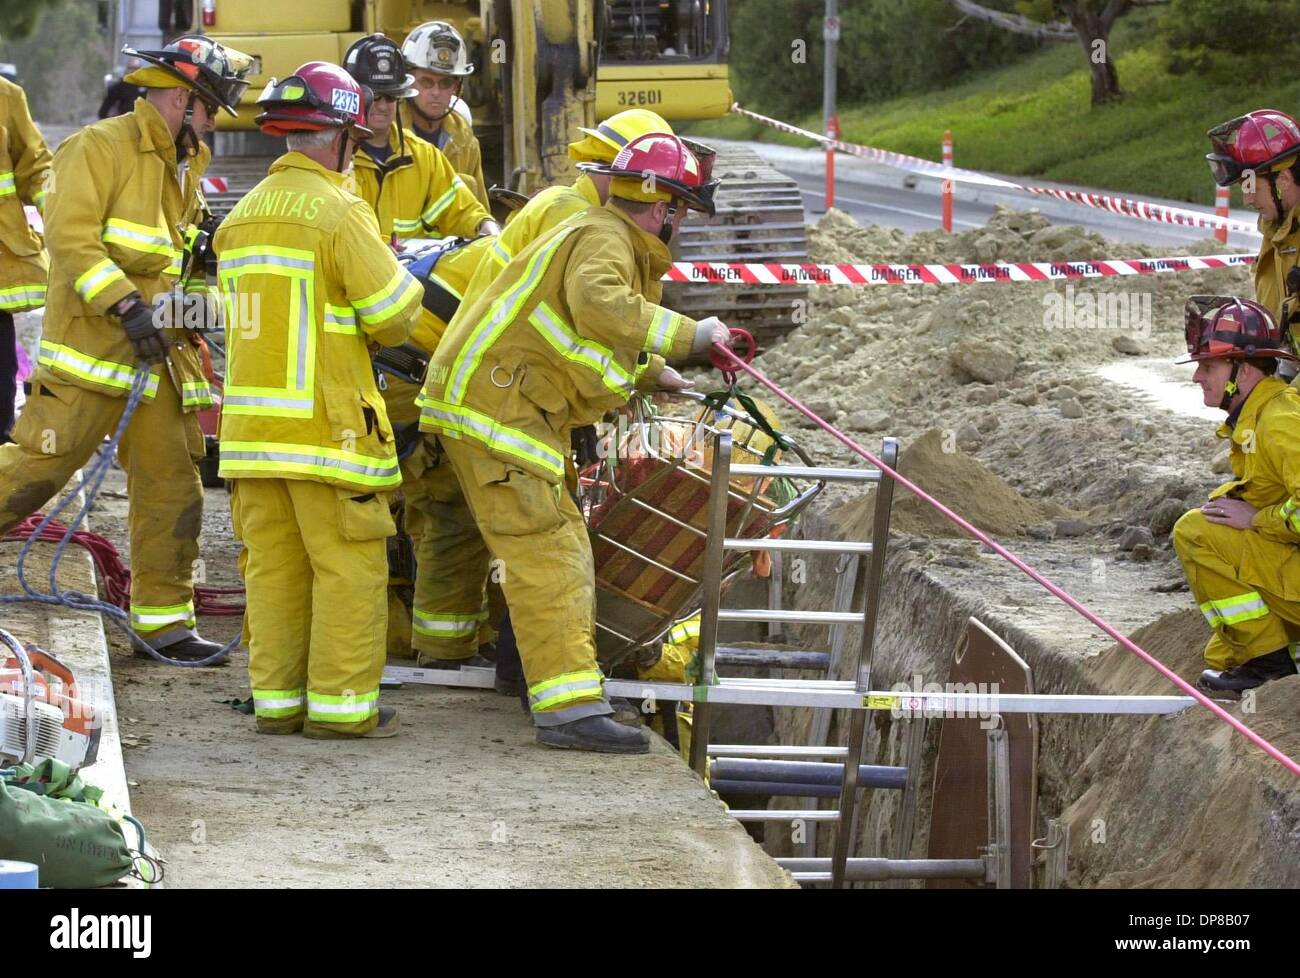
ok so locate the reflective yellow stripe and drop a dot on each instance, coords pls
(1290, 515)
(559, 690)
(296, 398)
(435, 209)
(684, 631)
(196, 393)
(325, 708)
(1234, 610)
(456, 419)
(106, 373)
(7, 184)
(600, 359)
(243, 458)
(150, 618)
(438, 625)
(340, 319)
(501, 253)
(405, 228)
(139, 237)
(663, 330)
(499, 315)
(278, 702)
(97, 278)
(20, 298)
(379, 306)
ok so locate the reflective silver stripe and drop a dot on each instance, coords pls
(8, 185)
(441, 204)
(116, 232)
(452, 626)
(280, 261)
(557, 692)
(340, 319)
(395, 295)
(592, 355)
(287, 704)
(254, 400)
(660, 337)
(101, 371)
(304, 327)
(317, 462)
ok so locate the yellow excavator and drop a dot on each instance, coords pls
(543, 68)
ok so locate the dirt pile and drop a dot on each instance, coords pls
(1009, 372)
(969, 487)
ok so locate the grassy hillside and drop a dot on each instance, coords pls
(1034, 119)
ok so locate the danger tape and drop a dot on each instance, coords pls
(1128, 207)
(804, 273)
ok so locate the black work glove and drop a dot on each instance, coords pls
(138, 324)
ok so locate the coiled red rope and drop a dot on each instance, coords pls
(735, 363)
(116, 576)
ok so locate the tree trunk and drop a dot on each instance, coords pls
(1094, 35)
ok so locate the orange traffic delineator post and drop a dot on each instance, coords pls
(1221, 210)
(947, 184)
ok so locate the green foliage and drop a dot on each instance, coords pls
(20, 17)
(62, 63)
(1033, 118)
(1245, 37)
(777, 49)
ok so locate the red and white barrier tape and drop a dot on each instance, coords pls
(1140, 209)
(753, 273)
(214, 185)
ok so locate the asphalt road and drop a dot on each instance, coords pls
(910, 211)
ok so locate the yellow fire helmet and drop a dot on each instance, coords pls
(602, 144)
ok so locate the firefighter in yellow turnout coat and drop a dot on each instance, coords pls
(564, 334)
(304, 432)
(439, 58)
(24, 170)
(451, 559)
(413, 189)
(24, 266)
(1241, 550)
(117, 209)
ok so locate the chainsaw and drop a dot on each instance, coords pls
(41, 716)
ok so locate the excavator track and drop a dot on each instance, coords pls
(760, 218)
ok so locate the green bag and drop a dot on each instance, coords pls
(75, 844)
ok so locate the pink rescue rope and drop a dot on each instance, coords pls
(737, 363)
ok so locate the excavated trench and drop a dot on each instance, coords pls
(1177, 801)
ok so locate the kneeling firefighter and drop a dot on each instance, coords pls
(1241, 550)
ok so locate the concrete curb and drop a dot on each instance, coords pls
(854, 171)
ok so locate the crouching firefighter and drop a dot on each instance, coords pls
(304, 434)
(565, 333)
(1241, 550)
(122, 194)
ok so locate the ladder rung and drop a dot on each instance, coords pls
(727, 655)
(807, 472)
(811, 877)
(876, 868)
(744, 769)
(794, 617)
(775, 750)
(784, 815)
(809, 546)
(773, 789)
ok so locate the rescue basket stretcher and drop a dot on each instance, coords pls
(646, 508)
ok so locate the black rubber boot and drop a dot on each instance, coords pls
(625, 712)
(1248, 675)
(602, 734)
(191, 649)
